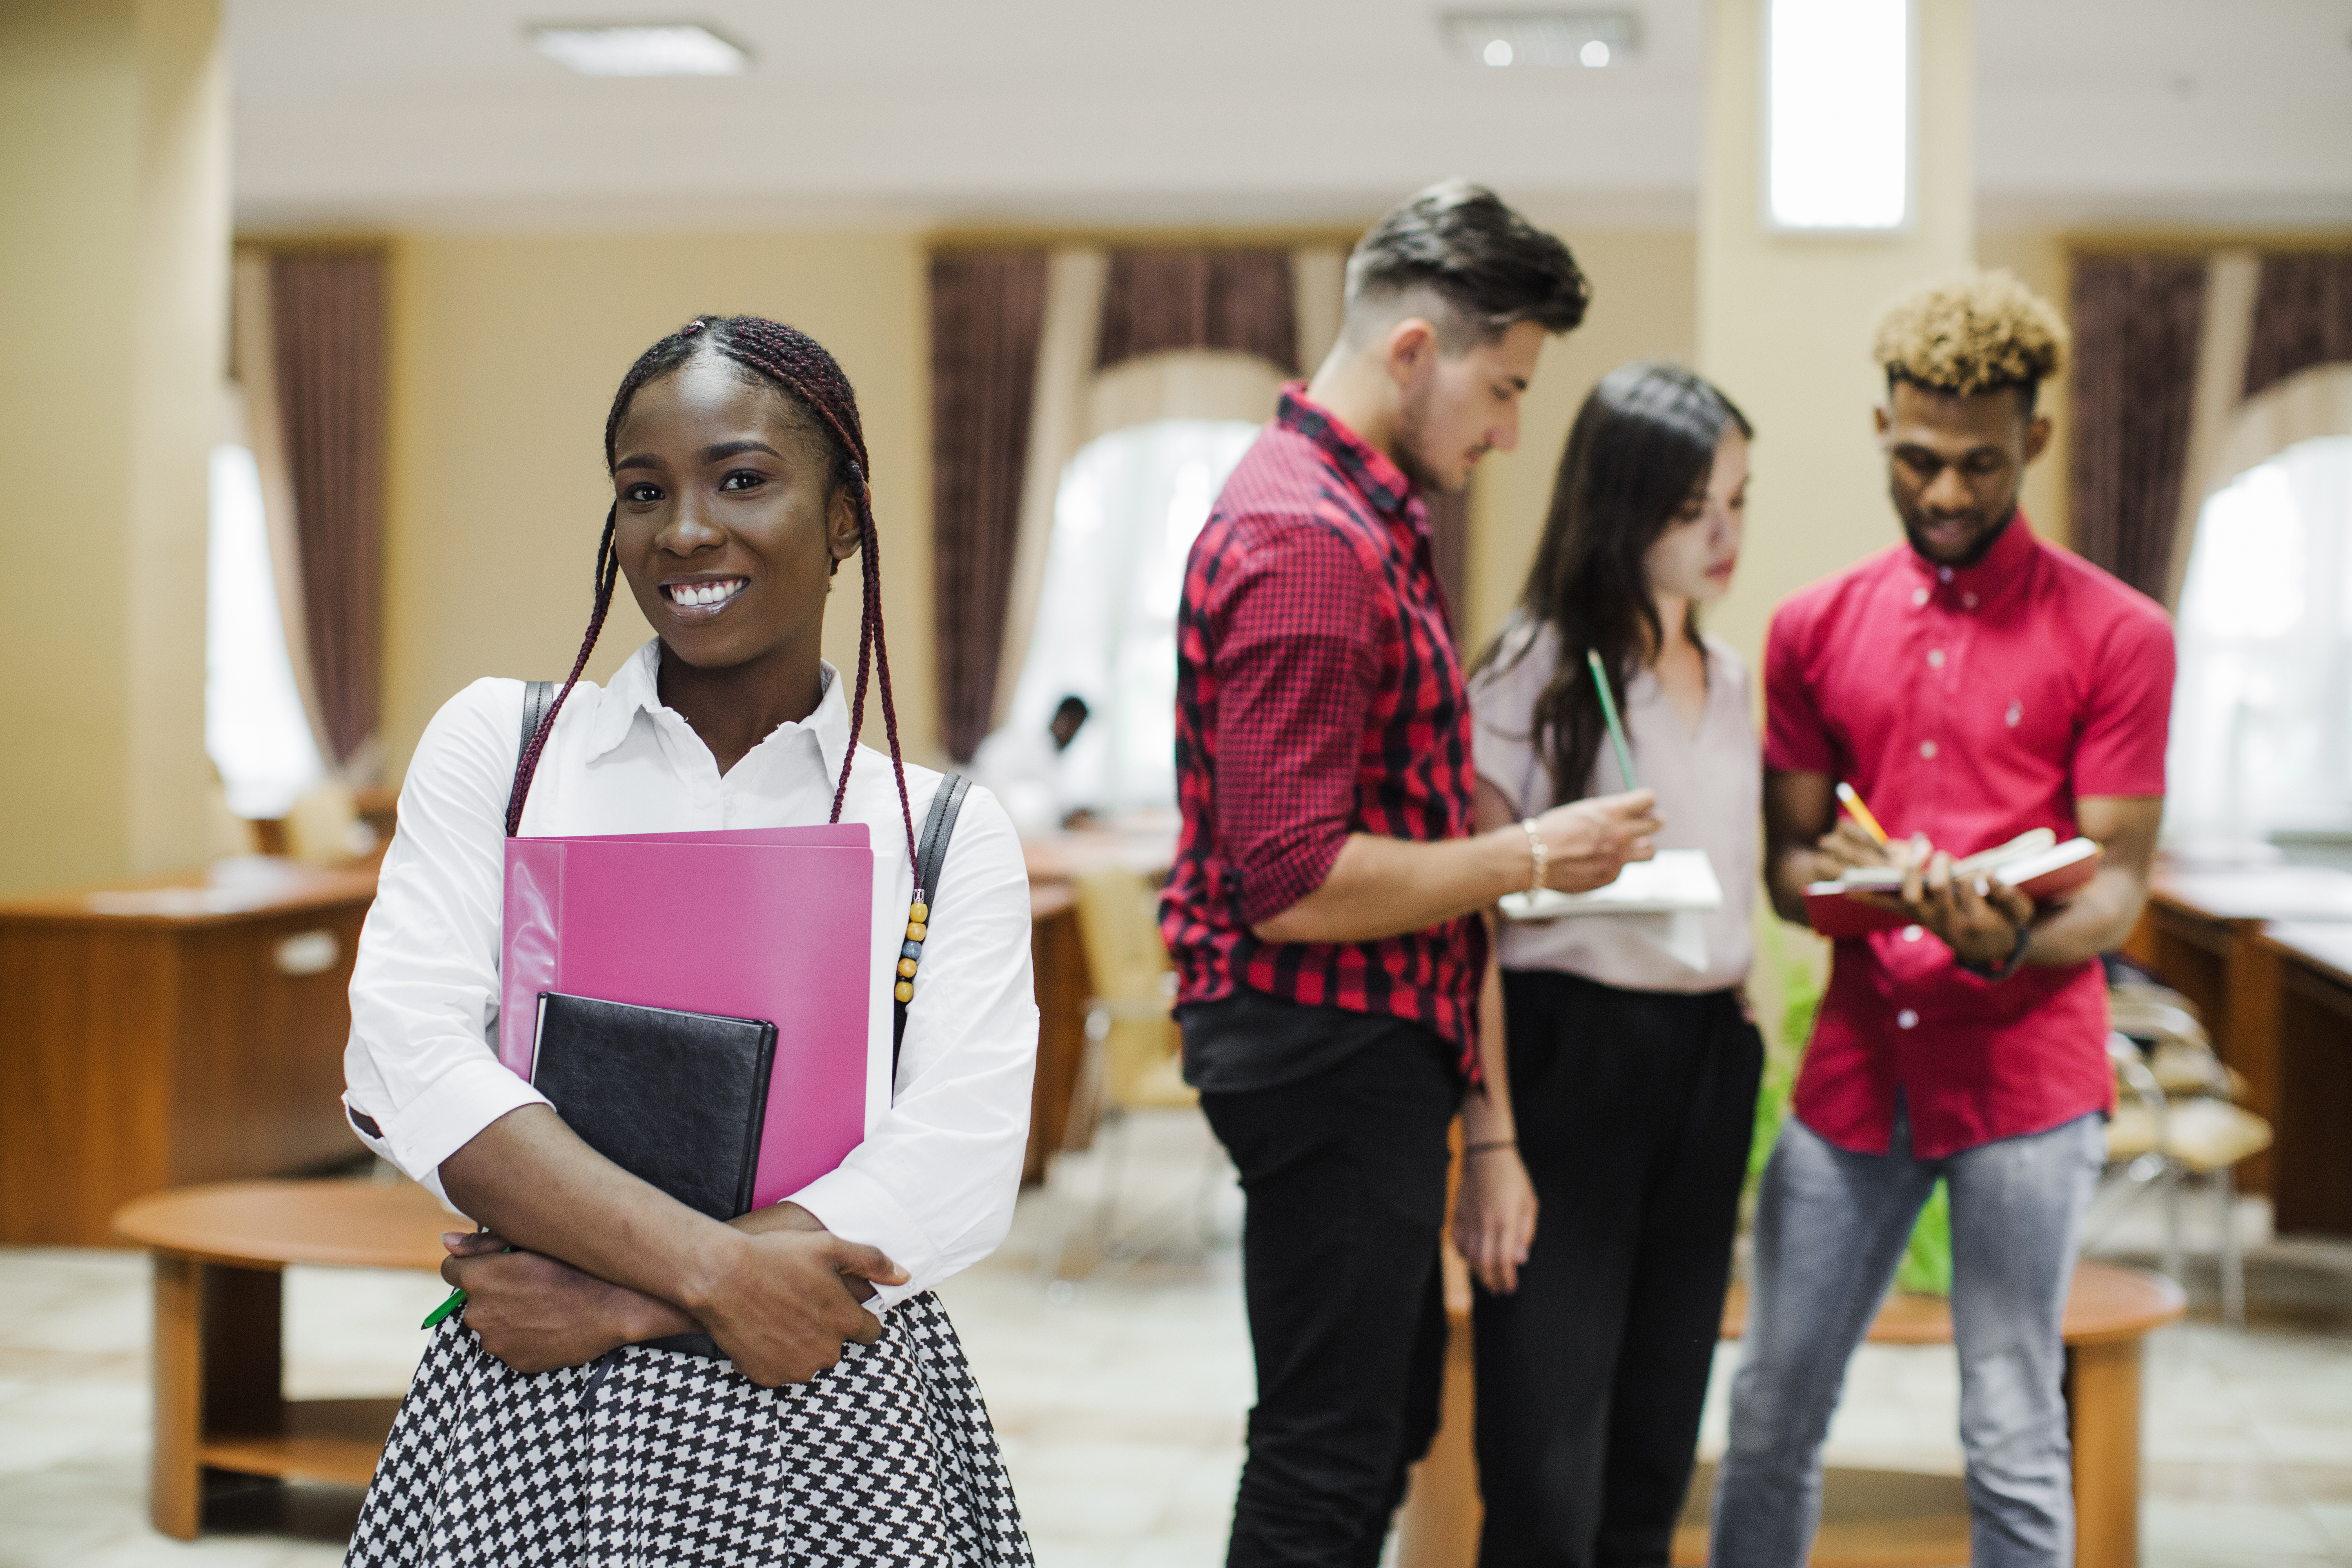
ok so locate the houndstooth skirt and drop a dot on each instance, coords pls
(652, 1458)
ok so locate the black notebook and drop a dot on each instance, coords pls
(675, 1099)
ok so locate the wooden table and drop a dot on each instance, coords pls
(1871, 1518)
(220, 1255)
(186, 1029)
(2310, 1049)
(2198, 936)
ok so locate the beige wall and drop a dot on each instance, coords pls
(1784, 321)
(504, 354)
(1643, 290)
(113, 303)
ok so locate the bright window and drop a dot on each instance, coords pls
(2261, 717)
(1129, 508)
(253, 725)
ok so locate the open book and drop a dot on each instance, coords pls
(2034, 863)
(1674, 881)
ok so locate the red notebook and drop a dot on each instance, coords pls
(2044, 871)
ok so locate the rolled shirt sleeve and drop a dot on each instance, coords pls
(419, 1067)
(1297, 658)
(1796, 740)
(2126, 732)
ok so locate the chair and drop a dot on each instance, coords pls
(2176, 1119)
(1133, 1060)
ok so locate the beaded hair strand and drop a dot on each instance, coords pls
(798, 366)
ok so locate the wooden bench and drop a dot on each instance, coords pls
(220, 1257)
(1869, 1519)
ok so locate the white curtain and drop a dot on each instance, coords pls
(2261, 715)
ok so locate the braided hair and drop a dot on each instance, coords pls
(811, 381)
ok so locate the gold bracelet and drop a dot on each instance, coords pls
(1540, 850)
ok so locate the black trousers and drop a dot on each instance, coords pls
(1634, 1113)
(1345, 1174)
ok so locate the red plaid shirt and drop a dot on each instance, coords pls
(1318, 694)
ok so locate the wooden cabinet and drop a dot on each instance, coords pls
(189, 1030)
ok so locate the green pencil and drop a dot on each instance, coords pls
(1616, 725)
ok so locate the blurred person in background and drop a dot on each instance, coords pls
(1024, 766)
(1621, 1063)
(1323, 910)
(1972, 683)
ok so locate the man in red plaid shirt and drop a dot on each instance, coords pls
(1325, 907)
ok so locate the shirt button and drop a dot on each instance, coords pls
(1927, 749)
(1935, 658)
(1943, 574)
(1918, 595)
(1911, 933)
(1969, 600)
(1906, 1019)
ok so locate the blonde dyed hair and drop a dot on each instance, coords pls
(1971, 333)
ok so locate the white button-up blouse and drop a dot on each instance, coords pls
(933, 1183)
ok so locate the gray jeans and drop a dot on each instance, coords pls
(1830, 1227)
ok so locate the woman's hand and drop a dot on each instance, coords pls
(780, 1303)
(1494, 1217)
(1591, 840)
(536, 1314)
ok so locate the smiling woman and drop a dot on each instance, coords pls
(675, 1386)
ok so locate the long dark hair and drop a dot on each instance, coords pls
(812, 380)
(1642, 445)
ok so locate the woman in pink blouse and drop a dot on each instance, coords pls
(1622, 1096)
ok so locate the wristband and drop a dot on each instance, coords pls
(1541, 853)
(1994, 973)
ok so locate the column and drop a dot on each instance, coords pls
(1784, 320)
(114, 172)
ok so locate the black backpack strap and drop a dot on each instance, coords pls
(538, 696)
(931, 859)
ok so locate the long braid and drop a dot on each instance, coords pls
(608, 572)
(797, 365)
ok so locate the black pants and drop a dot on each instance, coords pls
(1634, 1113)
(1345, 1174)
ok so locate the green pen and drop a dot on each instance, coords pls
(456, 1298)
(1616, 725)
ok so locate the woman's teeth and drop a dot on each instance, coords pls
(691, 593)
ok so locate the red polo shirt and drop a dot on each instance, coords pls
(1969, 704)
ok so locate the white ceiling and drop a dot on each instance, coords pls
(437, 113)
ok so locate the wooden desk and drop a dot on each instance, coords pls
(2198, 936)
(220, 1256)
(186, 1029)
(1869, 1519)
(2310, 1049)
(1063, 984)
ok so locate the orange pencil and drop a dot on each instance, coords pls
(1846, 793)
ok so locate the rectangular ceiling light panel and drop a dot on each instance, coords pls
(1838, 128)
(1588, 38)
(648, 50)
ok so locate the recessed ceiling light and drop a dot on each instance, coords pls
(1837, 119)
(641, 50)
(1589, 39)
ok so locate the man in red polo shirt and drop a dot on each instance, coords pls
(1323, 910)
(1971, 683)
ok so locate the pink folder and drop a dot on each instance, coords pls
(773, 923)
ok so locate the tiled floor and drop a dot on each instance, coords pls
(1122, 1403)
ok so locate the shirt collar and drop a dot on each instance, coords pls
(635, 687)
(2003, 564)
(1374, 476)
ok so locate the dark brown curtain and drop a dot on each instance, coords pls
(1199, 298)
(327, 317)
(2303, 317)
(2137, 323)
(1449, 553)
(988, 310)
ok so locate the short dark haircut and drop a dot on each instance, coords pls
(1491, 268)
